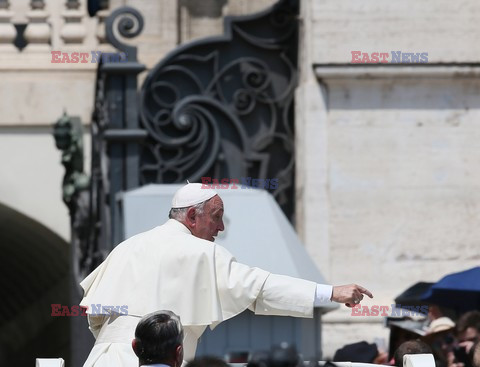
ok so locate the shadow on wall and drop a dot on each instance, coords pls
(34, 273)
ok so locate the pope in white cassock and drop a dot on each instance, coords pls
(177, 267)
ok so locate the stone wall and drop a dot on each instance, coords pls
(387, 157)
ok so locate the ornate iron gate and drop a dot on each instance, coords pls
(220, 107)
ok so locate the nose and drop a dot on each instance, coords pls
(221, 226)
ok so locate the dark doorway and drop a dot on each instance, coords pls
(34, 274)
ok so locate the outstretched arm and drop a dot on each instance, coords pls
(286, 296)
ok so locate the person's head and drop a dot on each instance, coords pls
(207, 361)
(410, 347)
(159, 339)
(468, 327)
(200, 210)
(357, 352)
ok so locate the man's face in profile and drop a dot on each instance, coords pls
(208, 224)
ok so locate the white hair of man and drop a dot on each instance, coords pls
(181, 213)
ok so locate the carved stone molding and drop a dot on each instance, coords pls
(73, 31)
(7, 29)
(38, 31)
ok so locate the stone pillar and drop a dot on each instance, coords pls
(311, 126)
(7, 30)
(101, 16)
(38, 32)
(73, 31)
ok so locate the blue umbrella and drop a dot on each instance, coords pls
(459, 291)
(411, 296)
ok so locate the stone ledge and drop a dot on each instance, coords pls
(379, 71)
(41, 61)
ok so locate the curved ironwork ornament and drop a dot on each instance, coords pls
(128, 23)
(222, 107)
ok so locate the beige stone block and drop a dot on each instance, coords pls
(389, 239)
(446, 30)
(403, 134)
(39, 98)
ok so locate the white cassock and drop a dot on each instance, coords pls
(167, 268)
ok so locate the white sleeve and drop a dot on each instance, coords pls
(282, 295)
(323, 294)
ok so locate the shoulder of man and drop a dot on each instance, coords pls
(223, 252)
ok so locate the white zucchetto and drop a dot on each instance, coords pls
(192, 194)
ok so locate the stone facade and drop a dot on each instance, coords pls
(387, 157)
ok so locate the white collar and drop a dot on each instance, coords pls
(155, 365)
(175, 224)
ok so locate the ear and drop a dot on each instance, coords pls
(191, 217)
(179, 354)
(134, 346)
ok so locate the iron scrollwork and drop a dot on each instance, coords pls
(128, 23)
(222, 107)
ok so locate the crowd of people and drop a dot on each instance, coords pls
(159, 342)
(453, 344)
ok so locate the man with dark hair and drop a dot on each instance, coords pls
(410, 347)
(159, 340)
